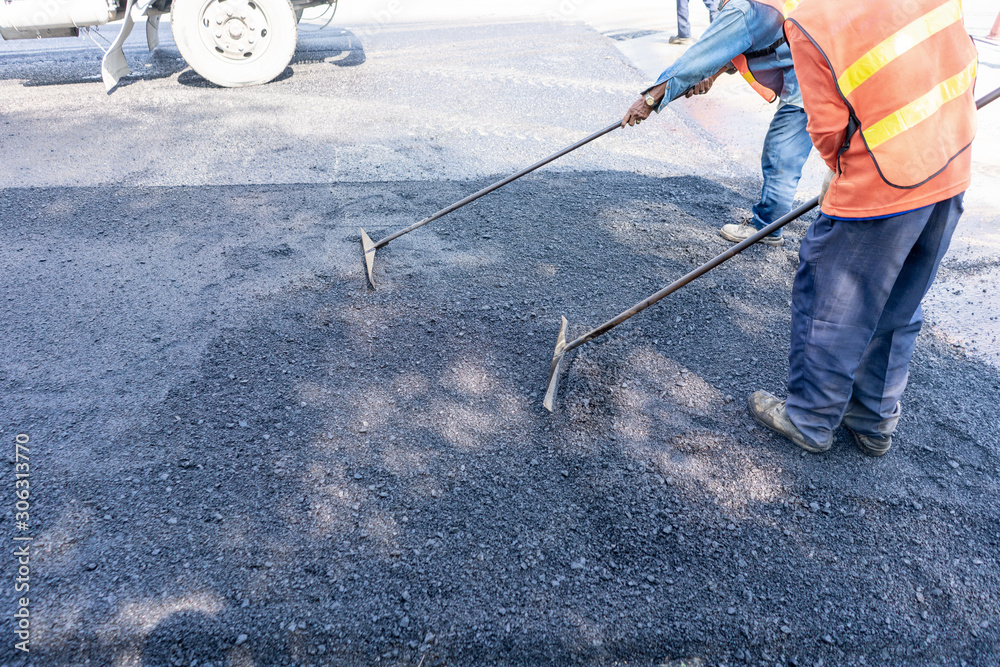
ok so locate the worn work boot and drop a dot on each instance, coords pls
(769, 411)
(744, 230)
(677, 39)
(871, 445)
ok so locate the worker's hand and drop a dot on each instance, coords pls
(703, 87)
(640, 111)
(826, 186)
(637, 113)
(700, 88)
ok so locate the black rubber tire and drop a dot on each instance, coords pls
(186, 17)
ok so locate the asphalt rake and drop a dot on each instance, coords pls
(370, 246)
(562, 347)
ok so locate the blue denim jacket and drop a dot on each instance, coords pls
(741, 26)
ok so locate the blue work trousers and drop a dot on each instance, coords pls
(786, 148)
(684, 23)
(856, 314)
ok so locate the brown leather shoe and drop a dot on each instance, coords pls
(769, 411)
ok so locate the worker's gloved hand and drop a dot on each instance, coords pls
(826, 186)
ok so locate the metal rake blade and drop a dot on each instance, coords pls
(557, 360)
(369, 247)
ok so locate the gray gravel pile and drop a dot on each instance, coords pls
(247, 457)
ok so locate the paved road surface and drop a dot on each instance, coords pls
(243, 456)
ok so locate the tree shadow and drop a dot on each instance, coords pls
(190, 638)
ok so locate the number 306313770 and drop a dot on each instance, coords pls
(21, 474)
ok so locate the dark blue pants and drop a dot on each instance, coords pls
(856, 314)
(684, 23)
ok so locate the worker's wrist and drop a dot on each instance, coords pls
(653, 96)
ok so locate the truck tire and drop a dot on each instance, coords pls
(235, 42)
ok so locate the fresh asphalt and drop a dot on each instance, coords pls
(242, 455)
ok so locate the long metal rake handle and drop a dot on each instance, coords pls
(987, 98)
(697, 273)
(562, 347)
(711, 264)
(499, 184)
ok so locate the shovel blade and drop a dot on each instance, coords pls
(369, 247)
(555, 368)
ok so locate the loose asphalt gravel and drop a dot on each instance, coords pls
(242, 455)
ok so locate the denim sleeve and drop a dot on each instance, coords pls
(727, 37)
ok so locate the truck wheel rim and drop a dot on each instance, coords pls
(234, 30)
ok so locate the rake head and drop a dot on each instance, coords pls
(369, 247)
(556, 367)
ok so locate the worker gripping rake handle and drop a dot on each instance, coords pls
(562, 347)
(370, 246)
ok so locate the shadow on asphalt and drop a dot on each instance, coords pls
(62, 66)
(348, 476)
(346, 51)
(194, 80)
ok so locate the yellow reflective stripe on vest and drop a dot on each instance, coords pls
(790, 6)
(905, 39)
(920, 109)
(748, 77)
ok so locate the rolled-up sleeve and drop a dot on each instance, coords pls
(727, 37)
(828, 113)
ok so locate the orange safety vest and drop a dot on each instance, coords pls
(905, 70)
(741, 65)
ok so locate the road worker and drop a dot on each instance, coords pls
(745, 36)
(888, 88)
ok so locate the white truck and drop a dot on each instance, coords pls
(229, 42)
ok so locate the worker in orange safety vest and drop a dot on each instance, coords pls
(888, 90)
